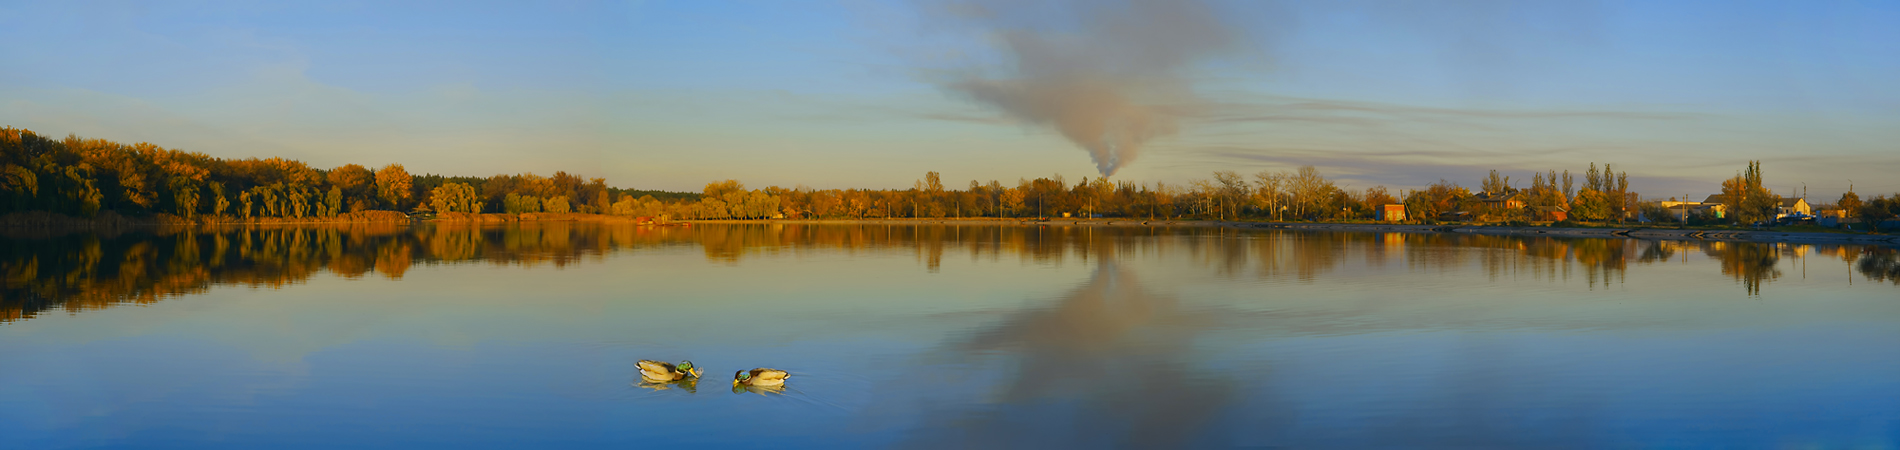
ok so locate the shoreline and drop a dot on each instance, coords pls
(45, 222)
(1487, 230)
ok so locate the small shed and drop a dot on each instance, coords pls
(1392, 213)
(1550, 213)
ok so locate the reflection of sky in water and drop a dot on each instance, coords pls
(954, 338)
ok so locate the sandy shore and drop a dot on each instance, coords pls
(1608, 233)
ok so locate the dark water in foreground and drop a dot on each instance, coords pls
(941, 337)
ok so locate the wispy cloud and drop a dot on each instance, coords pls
(1255, 108)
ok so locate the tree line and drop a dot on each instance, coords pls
(1879, 208)
(85, 177)
(1304, 194)
(1598, 195)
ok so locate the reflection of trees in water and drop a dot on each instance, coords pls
(93, 270)
(1106, 366)
(930, 242)
(1749, 262)
(1304, 256)
(1603, 261)
(1880, 264)
(89, 270)
(82, 271)
(1656, 251)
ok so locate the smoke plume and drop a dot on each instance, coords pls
(1108, 75)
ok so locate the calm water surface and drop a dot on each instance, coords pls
(940, 337)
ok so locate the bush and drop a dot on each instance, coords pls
(1655, 213)
(517, 204)
(1704, 218)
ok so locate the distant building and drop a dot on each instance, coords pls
(1715, 205)
(1788, 206)
(1680, 211)
(1549, 213)
(1503, 200)
(1392, 213)
(1792, 206)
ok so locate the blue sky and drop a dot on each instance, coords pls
(671, 95)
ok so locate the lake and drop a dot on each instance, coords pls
(940, 336)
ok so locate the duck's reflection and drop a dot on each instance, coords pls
(1110, 359)
(690, 385)
(761, 390)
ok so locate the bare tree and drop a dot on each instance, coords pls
(1269, 187)
(1309, 189)
(1570, 192)
(1231, 190)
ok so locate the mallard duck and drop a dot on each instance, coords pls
(659, 371)
(759, 377)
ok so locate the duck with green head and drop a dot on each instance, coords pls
(659, 371)
(760, 377)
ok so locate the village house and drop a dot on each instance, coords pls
(1788, 206)
(1494, 205)
(1680, 211)
(1793, 206)
(1502, 200)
